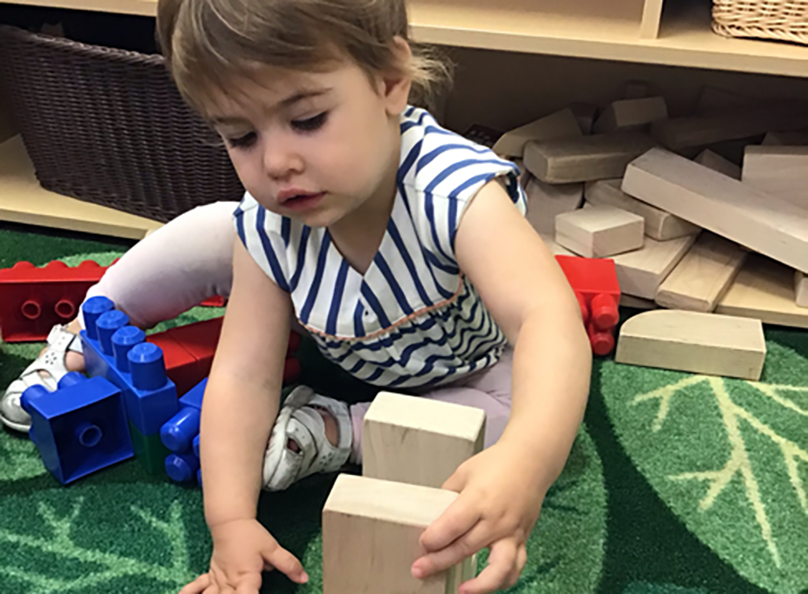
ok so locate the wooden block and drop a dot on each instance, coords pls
(546, 201)
(692, 341)
(599, 231)
(641, 272)
(764, 290)
(703, 276)
(585, 113)
(722, 205)
(371, 529)
(718, 163)
(785, 139)
(418, 441)
(780, 171)
(601, 156)
(557, 250)
(561, 124)
(730, 124)
(714, 99)
(631, 114)
(636, 302)
(801, 288)
(659, 225)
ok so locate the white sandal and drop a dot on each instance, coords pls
(52, 361)
(299, 421)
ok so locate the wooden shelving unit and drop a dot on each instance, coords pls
(22, 200)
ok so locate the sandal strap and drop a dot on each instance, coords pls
(60, 339)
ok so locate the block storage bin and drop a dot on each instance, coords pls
(784, 20)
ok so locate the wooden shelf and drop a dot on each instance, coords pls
(23, 200)
(610, 30)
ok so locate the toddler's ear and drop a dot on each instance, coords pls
(397, 83)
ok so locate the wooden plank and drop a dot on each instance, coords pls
(546, 201)
(659, 225)
(692, 341)
(780, 171)
(801, 288)
(561, 124)
(417, 440)
(627, 114)
(601, 156)
(715, 99)
(636, 302)
(371, 529)
(729, 124)
(718, 163)
(764, 290)
(786, 139)
(599, 231)
(720, 204)
(641, 272)
(703, 276)
(23, 200)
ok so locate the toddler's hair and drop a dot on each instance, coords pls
(208, 43)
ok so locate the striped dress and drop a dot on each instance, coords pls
(413, 319)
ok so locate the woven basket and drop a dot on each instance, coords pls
(784, 20)
(108, 126)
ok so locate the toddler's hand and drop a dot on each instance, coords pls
(498, 506)
(242, 549)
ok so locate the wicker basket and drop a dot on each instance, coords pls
(784, 20)
(108, 126)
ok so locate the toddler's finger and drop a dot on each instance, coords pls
(249, 583)
(197, 586)
(501, 562)
(462, 548)
(454, 522)
(286, 563)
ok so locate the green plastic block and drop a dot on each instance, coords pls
(149, 451)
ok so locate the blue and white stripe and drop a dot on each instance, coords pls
(413, 319)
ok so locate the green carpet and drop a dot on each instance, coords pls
(678, 484)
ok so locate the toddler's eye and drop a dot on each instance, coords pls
(310, 124)
(245, 141)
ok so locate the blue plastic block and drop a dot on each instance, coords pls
(79, 428)
(196, 446)
(118, 352)
(199, 477)
(179, 431)
(182, 468)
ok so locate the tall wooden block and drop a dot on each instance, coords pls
(599, 231)
(641, 272)
(659, 225)
(780, 171)
(371, 529)
(419, 441)
(546, 201)
(629, 114)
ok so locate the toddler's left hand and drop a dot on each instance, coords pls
(499, 503)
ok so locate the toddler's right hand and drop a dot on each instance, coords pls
(242, 549)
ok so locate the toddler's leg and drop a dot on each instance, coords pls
(489, 390)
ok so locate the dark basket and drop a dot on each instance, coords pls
(108, 126)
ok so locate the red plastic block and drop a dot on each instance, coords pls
(182, 368)
(215, 301)
(595, 283)
(33, 300)
(188, 351)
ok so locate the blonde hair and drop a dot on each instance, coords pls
(208, 43)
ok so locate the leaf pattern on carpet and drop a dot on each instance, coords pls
(726, 453)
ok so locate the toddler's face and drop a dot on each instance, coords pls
(311, 146)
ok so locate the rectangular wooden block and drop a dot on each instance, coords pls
(718, 163)
(798, 138)
(729, 124)
(801, 288)
(659, 225)
(371, 529)
(720, 204)
(715, 99)
(599, 231)
(627, 114)
(546, 201)
(703, 276)
(764, 290)
(585, 113)
(561, 124)
(601, 156)
(780, 171)
(418, 441)
(557, 250)
(693, 341)
(641, 272)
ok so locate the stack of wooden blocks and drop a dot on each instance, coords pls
(705, 215)
(372, 523)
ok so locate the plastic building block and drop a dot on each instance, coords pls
(594, 281)
(182, 468)
(189, 351)
(80, 428)
(215, 301)
(117, 351)
(178, 433)
(196, 446)
(149, 451)
(33, 300)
